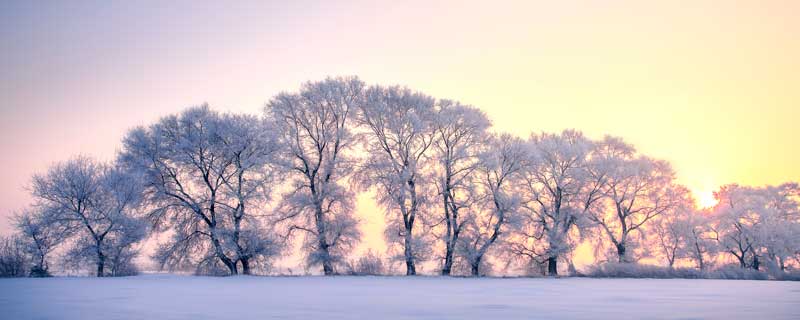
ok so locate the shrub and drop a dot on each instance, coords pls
(370, 264)
(13, 262)
(734, 272)
(633, 270)
(787, 276)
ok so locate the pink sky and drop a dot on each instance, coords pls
(712, 86)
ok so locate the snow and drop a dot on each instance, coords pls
(242, 297)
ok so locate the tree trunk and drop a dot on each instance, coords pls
(476, 264)
(552, 266)
(742, 263)
(621, 252)
(699, 254)
(101, 257)
(448, 263)
(101, 262)
(327, 267)
(408, 221)
(246, 266)
(327, 264)
(453, 230)
(410, 268)
(756, 263)
(230, 264)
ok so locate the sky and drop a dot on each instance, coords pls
(711, 86)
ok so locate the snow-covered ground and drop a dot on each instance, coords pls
(183, 297)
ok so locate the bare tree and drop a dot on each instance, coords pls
(95, 202)
(560, 191)
(498, 175)
(204, 173)
(637, 189)
(674, 231)
(400, 131)
(13, 260)
(250, 144)
(40, 237)
(698, 241)
(315, 136)
(757, 223)
(460, 132)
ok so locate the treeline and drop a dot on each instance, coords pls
(234, 193)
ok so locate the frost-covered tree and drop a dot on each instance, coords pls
(459, 135)
(756, 224)
(780, 234)
(97, 204)
(697, 237)
(315, 134)
(205, 174)
(636, 190)
(13, 260)
(251, 145)
(673, 233)
(498, 175)
(399, 133)
(736, 220)
(40, 237)
(560, 191)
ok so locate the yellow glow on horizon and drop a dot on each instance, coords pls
(705, 199)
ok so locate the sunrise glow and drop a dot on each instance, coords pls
(705, 199)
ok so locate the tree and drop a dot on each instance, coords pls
(560, 190)
(758, 223)
(636, 190)
(698, 243)
(94, 202)
(675, 233)
(204, 173)
(459, 134)
(13, 260)
(684, 233)
(315, 136)
(252, 146)
(40, 237)
(400, 131)
(498, 175)
(780, 234)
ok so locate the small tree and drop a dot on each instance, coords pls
(94, 202)
(675, 236)
(40, 237)
(13, 261)
(698, 241)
